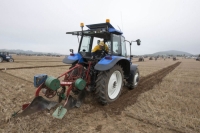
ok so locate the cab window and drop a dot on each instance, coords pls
(124, 53)
(85, 44)
(116, 45)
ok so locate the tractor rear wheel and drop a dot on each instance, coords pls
(133, 84)
(109, 84)
(1, 59)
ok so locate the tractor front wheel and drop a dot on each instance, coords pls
(11, 60)
(1, 59)
(109, 84)
(133, 81)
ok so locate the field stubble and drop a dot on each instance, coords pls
(175, 102)
(171, 106)
(31, 61)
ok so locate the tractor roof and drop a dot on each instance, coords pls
(101, 30)
(111, 29)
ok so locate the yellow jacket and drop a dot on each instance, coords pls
(98, 47)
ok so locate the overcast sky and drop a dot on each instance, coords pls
(40, 25)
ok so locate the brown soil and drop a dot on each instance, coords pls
(129, 97)
(32, 67)
(91, 116)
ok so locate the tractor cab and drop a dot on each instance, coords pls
(100, 32)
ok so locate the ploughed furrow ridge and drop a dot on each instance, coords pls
(129, 97)
(32, 67)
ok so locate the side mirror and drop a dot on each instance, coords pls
(71, 50)
(131, 55)
(138, 42)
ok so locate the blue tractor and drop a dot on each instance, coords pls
(109, 71)
(103, 72)
(5, 56)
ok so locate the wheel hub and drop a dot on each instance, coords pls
(136, 79)
(114, 84)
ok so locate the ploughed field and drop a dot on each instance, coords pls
(167, 99)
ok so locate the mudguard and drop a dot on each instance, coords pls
(70, 59)
(132, 72)
(106, 64)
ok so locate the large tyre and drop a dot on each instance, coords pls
(135, 80)
(1, 59)
(109, 84)
(11, 60)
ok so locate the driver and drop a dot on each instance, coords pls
(100, 46)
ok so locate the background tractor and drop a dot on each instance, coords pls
(174, 58)
(141, 58)
(150, 58)
(5, 56)
(198, 58)
(102, 73)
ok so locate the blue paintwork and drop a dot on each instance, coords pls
(105, 64)
(75, 57)
(104, 61)
(113, 30)
(69, 59)
(39, 79)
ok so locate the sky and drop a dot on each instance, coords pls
(41, 25)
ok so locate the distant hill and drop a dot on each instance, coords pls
(19, 51)
(171, 52)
